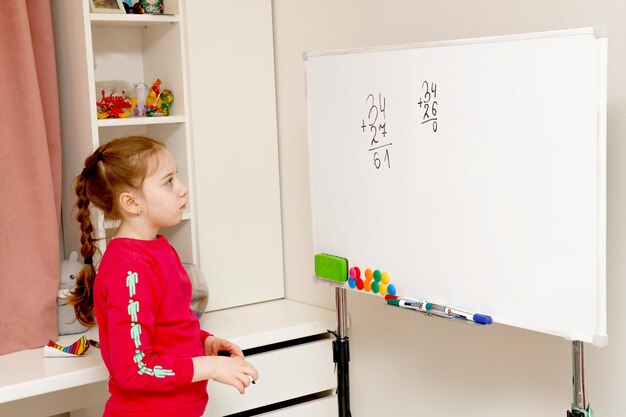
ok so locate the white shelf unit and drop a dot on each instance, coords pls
(94, 47)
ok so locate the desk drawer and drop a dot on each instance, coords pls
(284, 374)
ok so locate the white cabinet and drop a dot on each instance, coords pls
(231, 67)
(95, 47)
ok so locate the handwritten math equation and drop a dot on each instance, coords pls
(428, 104)
(374, 127)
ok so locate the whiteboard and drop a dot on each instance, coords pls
(472, 171)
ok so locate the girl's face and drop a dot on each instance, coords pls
(164, 196)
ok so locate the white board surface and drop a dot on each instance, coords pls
(472, 171)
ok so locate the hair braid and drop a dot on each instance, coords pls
(81, 297)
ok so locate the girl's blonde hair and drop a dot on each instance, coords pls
(118, 166)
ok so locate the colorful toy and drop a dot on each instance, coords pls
(158, 102)
(152, 6)
(115, 105)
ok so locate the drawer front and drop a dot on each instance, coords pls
(324, 407)
(283, 374)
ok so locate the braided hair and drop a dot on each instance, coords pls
(115, 167)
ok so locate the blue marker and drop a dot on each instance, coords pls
(475, 317)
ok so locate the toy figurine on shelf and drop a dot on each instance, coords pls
(158, 102)
(152, 6)
(141, 91)
(114, 105)
(143, 6)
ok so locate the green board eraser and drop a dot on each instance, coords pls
(331, 267)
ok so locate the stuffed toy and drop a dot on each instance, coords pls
(66, 319)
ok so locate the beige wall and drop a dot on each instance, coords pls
(404, 363)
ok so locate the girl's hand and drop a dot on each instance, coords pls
(233, 371)
(213, 345)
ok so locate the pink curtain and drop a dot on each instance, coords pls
(30, 176)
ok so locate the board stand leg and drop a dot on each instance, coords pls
(341, 354)
(578, 362)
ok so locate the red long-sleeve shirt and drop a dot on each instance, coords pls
(148, 333)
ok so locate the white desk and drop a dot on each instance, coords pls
(27, 376)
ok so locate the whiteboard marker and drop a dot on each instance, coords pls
(475, 317)
(411, 304)
(401, 297)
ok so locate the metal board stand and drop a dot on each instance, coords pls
(579, 405)
(341, 357)
(341, 354)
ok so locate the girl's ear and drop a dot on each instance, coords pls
(128, 203)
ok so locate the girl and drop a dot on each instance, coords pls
(157, 356)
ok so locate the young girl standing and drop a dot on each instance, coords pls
(158, 358)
